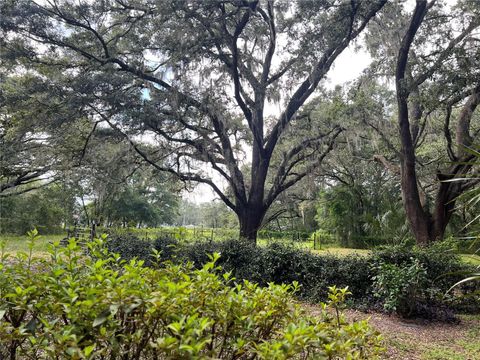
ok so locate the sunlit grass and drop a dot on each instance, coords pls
(339, 251)
(16, 243)
(305, 245)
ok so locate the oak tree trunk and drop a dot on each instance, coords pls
(250, 222)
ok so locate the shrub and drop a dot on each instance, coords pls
(73, 306)
(441, 267)
(438, 260)
(167, 247)
(130, 247)
(400, 287)
(279, 262)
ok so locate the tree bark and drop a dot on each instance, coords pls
(418, 219)
(251, 218)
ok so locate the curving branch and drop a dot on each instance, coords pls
(282, 181)
(178, 174)
(308, 86)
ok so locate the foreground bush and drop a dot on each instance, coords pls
(73, 306)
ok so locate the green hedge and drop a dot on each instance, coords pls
(281, 263)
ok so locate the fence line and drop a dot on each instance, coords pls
(201, 233)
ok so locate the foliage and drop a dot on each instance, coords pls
(73, 306)
(473, 197)
(435, 70)
(359, 201)
(37, 142)
(130, 247)
(49, 208)
(438, 260)
(400, 287)
(282, 263)
(116, 191)
(436, 268)
(363, 214)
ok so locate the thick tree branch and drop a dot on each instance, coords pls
(178, 174)
(24, 178)
(282, 184)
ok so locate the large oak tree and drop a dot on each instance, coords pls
(198, 79)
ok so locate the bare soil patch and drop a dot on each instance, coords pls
(420, 339)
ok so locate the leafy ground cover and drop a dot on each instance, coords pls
(73, 306)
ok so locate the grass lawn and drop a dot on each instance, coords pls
(338, 251)
(473, 259)
(306, 245)
(15, 243)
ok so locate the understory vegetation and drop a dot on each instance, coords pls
(409, 281)
(98, 306)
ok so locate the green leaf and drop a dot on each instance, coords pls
(473, 277)
(101, 318)
(88, 350)
(32, 325)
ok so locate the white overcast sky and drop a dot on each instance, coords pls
(348, 66)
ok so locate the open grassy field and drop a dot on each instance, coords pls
(15, 243)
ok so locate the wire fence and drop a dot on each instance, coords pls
(190, 234)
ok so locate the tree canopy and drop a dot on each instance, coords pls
(231, 94)
(198, 78)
